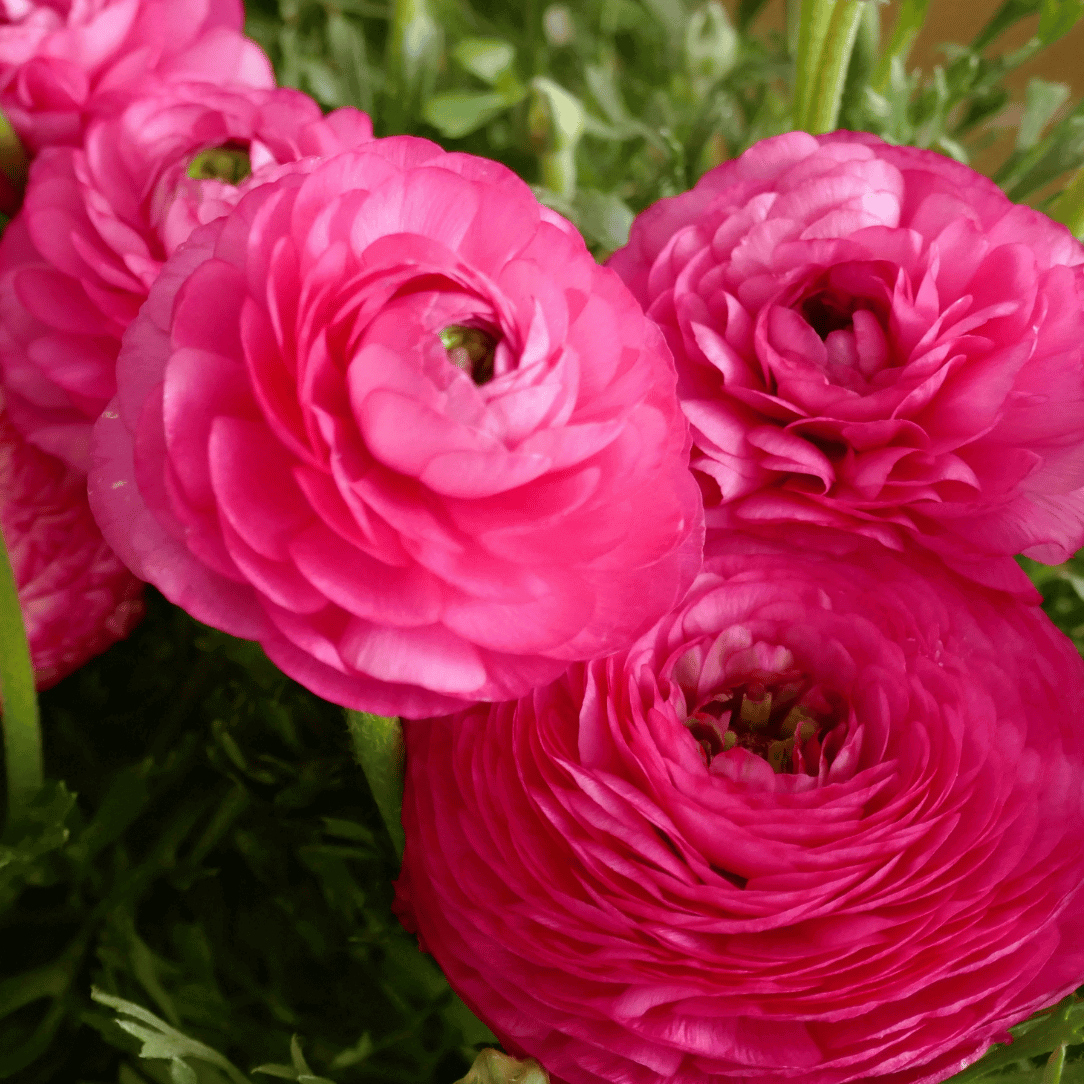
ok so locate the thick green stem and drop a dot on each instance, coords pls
(379, 748)
(825, 68)
(1068, 208)
(22, 731)
(813, 22)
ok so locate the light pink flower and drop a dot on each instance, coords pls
(100, 220)
(873, 337)
(76, 596)
(617, 881)
(389, 418)
(61, 61)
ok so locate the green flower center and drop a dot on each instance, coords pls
(470, 349)
(228, 164)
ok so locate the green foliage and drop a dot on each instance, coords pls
(1062, 588)
(215, 856)
(1025, 1060)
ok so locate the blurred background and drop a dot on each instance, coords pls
(954, 21)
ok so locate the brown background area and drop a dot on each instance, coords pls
(955, 21)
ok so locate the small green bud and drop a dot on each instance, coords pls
(228, 164)
(470, 349)
(493, 1067)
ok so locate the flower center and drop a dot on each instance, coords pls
(229, 164)
(470, 349)
(785, 725)
(829, 311)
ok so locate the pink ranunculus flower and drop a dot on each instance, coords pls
(824, 823)
(876, 338)
(63, 61)
(77, 597)
(389, 418)
(99, 221)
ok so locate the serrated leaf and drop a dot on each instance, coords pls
(159, 1039)
(486, 58)
(457, 113)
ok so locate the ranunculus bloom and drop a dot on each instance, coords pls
(389, 418)
(76, 596)
(99, 222)
(63, 60)
(824, 823)
(873, 337)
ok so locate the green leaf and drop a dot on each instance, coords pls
(457, 113)
(711, 46)
(182, 1073)
(1042, 100)
(748, 10)
(159, 1039)
(1054, 1065)
(1041, 1034)
(379, 749)
(347, 43)
(486, 58)
(909, 22)
(283, 1072)
(357, 1053)
(1010, 13)
(19, 720)
(414, 47)
(1057, 18)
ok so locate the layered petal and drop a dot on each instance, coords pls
(822, 822)
(912, 338)
(388, 417)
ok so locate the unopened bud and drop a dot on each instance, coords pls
(493, 1067)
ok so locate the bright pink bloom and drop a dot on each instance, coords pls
(99, 222)
(614, 878)
(873, 337)
(61, 61)
(77, 598)
(389, 418)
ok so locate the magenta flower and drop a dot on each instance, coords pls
(873, 337)
(100, 220)
(77, 598)
(61, 61)
(389, 418)
(824, 823)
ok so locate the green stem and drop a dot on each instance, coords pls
(379, 748)
(822, 104)
(813, 22)
(1068, 208)
(909, 21)
(22, 731)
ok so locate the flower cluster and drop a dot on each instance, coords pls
(823, 821)
(738, 747)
